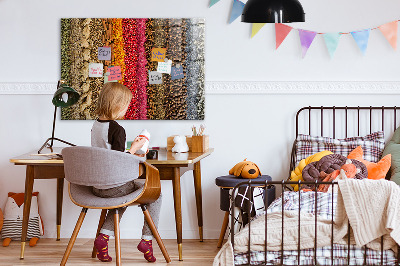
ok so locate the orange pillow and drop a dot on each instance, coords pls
(375, 170)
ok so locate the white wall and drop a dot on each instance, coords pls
(258, 126)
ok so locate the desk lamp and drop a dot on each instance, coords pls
(273, 11)
(65, 96)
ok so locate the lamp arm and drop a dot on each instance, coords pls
(54, 126)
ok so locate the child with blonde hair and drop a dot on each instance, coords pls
(113, 102)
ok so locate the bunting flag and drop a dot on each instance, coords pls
(281, 31)
(389, 30)
(361, 37)
(306, 39)
(213, 2)
(256, 28)
(332, 41)
(237, 9)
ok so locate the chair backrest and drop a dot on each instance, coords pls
(92, 166)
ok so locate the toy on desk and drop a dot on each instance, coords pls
(180, 144)
(245, 169)
(13, 215)
(144, 134)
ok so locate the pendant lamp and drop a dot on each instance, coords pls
(272, 11)
(64, 96)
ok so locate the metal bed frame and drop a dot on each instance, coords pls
(283, 184)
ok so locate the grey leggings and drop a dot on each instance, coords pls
(154, 208)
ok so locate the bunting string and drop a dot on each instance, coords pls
(361, 37)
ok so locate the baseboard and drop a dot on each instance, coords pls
(246, 87)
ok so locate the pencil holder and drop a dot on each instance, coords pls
(200, 143)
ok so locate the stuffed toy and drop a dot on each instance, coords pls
(296, 174)
(375, 170)
(13, 215)
(245, 169)
(180, 144)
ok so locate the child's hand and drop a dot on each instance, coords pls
(137, 144)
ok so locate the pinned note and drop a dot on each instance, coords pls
(164, 67)
(155, 77)
(158, 54)
(115, 73)
(106, 78)
(104, 53)
(177, 72)
(95, 70)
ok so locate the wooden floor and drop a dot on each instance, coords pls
(50, 252)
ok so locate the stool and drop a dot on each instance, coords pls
(226, 183)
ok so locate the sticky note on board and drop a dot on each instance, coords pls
(155, 77)
(95, 70)
(177, 73)
(104, 53)
(164, 67)
(115, 73)
(158, 54)
(106, 78)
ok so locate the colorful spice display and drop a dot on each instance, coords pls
(131, 42)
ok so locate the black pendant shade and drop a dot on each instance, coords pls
(273, 11)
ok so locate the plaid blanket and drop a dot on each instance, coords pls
(323, 205)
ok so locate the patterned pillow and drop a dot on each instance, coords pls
(372, 144)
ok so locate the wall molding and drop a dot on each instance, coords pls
(247, 87)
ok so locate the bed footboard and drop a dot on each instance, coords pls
(310, 254)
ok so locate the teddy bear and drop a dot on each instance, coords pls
(13, 215)
(180, 144)
(245, 169)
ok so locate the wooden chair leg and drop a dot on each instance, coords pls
(223, 229)
(73, 237)
(117, 238)
(101, 222)
(154, 230)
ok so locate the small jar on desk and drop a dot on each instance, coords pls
(226, 183)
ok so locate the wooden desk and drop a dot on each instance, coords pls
(168, 164)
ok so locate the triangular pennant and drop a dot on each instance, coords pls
(361, 37)
(306, 39)
(389, 30)
(281, 31)
(213, 2)
(256, 28)
(332, 41)
(237, 9)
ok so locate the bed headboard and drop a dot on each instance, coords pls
(344, 121)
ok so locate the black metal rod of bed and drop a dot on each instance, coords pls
(265, 185)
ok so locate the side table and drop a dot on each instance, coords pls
(226, 183)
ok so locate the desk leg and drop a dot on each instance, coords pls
(176, 182)
(199, 204)
(60, 190)
(27, 206)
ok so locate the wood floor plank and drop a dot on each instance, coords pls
(49, 252)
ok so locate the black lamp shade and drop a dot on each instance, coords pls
(273, 11)
(59, 101)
